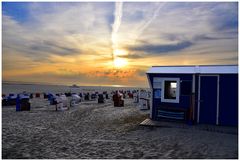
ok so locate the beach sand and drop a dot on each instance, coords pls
(101, 131)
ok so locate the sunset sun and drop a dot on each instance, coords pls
(119, 62)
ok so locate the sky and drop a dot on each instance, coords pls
(113, 43)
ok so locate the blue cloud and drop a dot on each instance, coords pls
(206, 37)
(159, 49)
(227, 22)
(51, 47)
(225, 16)
(36, 49)
(221, 16)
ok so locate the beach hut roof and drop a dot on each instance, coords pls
(200, 69)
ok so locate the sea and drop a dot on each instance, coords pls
(16, 88)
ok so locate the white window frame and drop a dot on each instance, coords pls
(177, 90)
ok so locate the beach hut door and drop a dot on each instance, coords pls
(208, 99)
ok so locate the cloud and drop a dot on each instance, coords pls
(160, 49)
(148, 22)
(229, 59)
(132, 56)
(69, 77)
(197, 37)
(224, 16)
(50, 31)
(206, 37)
(55, 48)
(136, 16)
(78, 36)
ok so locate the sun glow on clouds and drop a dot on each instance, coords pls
(119, 62)
(119, 52)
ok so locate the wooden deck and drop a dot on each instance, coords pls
(149, 122)
(212, 128)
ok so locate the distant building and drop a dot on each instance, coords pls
(199, 94)
(74, 86)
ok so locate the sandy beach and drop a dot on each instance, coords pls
(101, 131)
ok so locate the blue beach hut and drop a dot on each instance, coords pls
(206, 94)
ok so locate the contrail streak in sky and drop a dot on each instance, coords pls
(145, 25)
(116, 25)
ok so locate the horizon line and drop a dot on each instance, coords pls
(44, 83)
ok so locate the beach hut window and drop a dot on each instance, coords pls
(170, 92)
(170, 89)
